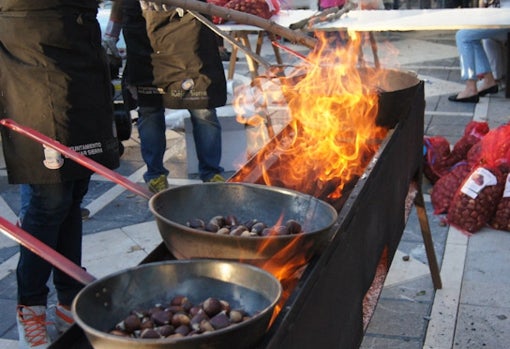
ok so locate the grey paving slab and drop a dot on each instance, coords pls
(451, 126)
(498, 111)
(8, 306)
(418, 290)
(7, 252)
(412, 239)
(482, 327)
(6, 322)
(486, 278)
(403, 318)
(371, 341)
(127, 209)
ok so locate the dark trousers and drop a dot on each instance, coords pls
(53, 216)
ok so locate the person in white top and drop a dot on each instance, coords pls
(474, 63)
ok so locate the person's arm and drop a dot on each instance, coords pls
(113, 28)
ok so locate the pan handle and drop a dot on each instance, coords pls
(79, 158)
(45, 252)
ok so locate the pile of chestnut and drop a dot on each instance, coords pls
(230, 225)
(180, 318)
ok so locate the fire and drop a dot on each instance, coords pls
(287, 266)
(329, 140)
(333, 105)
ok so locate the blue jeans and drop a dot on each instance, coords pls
(25, 192)
(206, 134)
(473, 58)
(53, 216)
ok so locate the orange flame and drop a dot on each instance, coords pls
(287, 266)
(332, 107)
(330, 139)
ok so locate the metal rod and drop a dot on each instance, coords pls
(79, 158)
(291, 51)
(45, 252)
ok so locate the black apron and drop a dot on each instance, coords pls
(175, 60)
(54, 78)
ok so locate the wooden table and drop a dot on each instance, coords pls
(377, 20)
(241, 31)
(427, 19)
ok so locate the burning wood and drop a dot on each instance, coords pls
(332, 134)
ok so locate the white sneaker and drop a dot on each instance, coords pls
(63, 318)
(32, 327)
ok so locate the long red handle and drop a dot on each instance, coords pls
(79, 158)
(45, 252)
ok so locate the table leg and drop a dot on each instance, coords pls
(507, 87)
(232, 63)
(252, 65)
(373, 44)
(276, 50)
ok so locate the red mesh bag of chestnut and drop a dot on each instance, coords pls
(446, 187)
(480, 198)
(439, 159)
(474, 202)
(262, 8)
(501, 218)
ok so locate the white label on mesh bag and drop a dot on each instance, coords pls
(506, 192)
(479, 179)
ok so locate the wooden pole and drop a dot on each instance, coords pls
(295, 37)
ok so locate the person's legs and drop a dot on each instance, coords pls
(69, 243)
(473, 58)
(52, 216)
(152, 131)
(24, 193)
(474, 63)
(494, 51)
(71, 246)
(207, 137)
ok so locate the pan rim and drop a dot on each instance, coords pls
(265, 312)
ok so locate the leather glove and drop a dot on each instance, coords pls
(111, 37)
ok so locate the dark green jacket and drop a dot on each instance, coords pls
(54, 78)
(164, 50)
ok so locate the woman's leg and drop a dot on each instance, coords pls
(474, 63)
